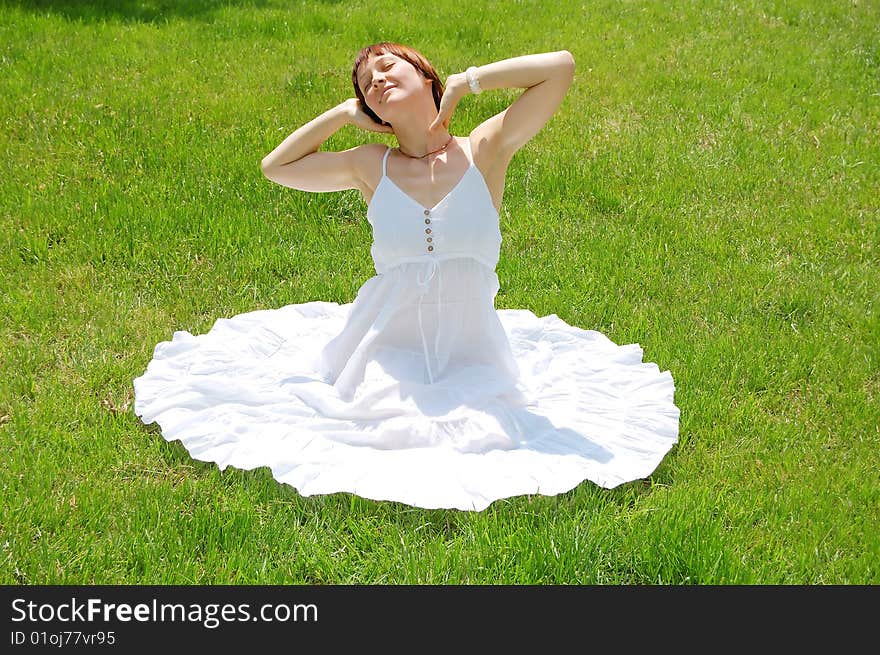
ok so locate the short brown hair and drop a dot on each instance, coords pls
(411, 55)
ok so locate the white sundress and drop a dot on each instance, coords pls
(419, 391)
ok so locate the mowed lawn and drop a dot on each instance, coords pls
(708, 189)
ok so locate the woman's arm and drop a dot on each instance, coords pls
(546, 77)
(298, 164)
(307, 138)
(524, 72)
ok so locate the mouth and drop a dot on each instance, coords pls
(385, 92)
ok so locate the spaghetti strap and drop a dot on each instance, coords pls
(384, 159)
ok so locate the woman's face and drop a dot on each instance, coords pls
(387, 79)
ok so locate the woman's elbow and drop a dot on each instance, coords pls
(567, 58)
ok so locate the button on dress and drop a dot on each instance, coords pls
(418, 391)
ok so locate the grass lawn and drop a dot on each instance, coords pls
(708, 189)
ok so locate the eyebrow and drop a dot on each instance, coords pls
(382, 56)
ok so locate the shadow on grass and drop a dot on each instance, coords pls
(138, 11)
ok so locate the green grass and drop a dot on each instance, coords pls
(708, 189)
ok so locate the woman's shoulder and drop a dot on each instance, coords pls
(369, 167)
(369, 156)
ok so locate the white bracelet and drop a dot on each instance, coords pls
(473, 82)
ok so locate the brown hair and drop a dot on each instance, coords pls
(411, 55)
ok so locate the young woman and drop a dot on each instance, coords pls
(419, 390)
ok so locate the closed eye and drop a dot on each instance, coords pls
(386, 67)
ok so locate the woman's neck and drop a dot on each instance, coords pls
(416, 140)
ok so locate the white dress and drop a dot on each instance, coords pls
(419, 391)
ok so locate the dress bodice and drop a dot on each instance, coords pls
(463, 224)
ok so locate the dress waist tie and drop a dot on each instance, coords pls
(424, 285)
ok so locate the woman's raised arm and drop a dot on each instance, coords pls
(308, 138)
(546, 77)
(297, 163)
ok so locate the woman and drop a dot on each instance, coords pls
(418, 391)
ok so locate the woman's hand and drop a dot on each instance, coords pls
(358, 117)
(455, 89)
